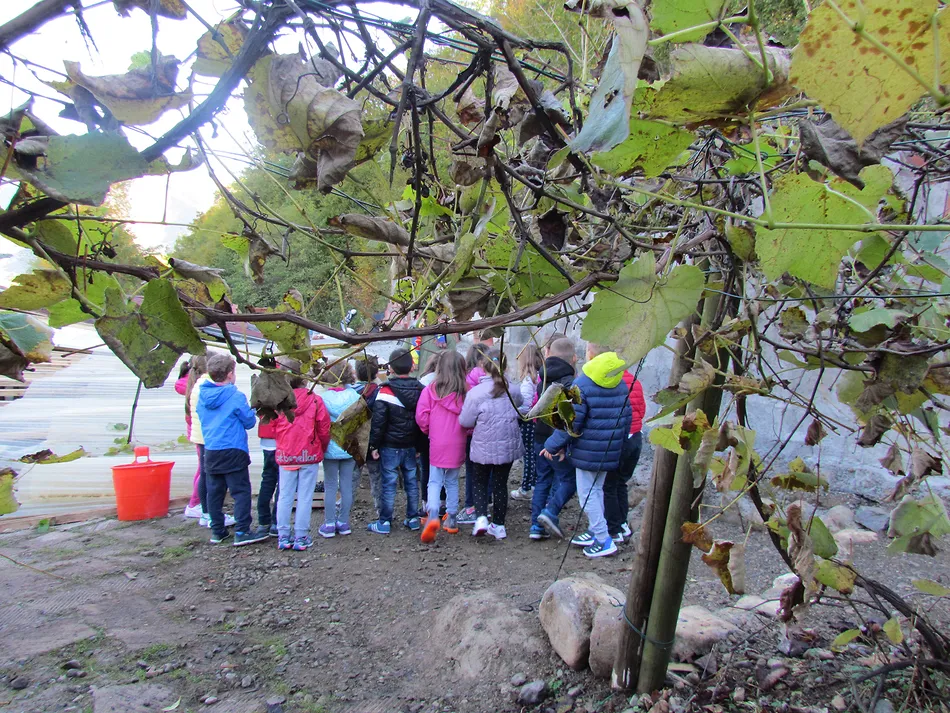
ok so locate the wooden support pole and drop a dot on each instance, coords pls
(640, 589)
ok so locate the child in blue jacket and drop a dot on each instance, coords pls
(225, 417)
(602, 420)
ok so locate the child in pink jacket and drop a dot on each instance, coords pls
(437, 414)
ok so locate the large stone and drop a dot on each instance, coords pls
(838, 518)
(533, 693)
(134, 698)
(697, 631)
(489, 632)
(873, 518)
(848, 539)
(567, 614)
(604, 638)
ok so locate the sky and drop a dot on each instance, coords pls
(117, 39)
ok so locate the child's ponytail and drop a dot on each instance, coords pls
(495, 365)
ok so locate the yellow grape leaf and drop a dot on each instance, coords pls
(892, 627)
(845, 638)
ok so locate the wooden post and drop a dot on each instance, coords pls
(640, 589)
(675, 554)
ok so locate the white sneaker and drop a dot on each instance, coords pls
(204, 520)
(193, 511)
(519, 494)
(481, 526)
(497, 531)
(625, 528)
(229, 521)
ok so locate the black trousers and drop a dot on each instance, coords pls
(616, 497)
(267, 496)
(495, 476)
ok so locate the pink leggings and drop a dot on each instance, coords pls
(195, 498)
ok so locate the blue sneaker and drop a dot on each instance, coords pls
(466, 517)
(413, 523)
(302, 542)
(272, 531)
(327, 530)
(380, 527)
(284, 543)
(601, 549)
(549, 522)
(343, 528)
(248, 538)
(538, 533)
(585, 539)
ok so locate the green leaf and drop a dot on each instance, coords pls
(56, 234)
(47, 457)
(916, 517)
(28, 335)
(815, 254)
(851, 77)
(670, 16)
(932, 588)
(838, 578)
(376, 134)
(42, 527)
(36, 290)
(746, 161)
(80, 169)
(844, 638)
(291, 339)
(552, 406)
(262, 115)
(874, 248)
(93, 285)
(149, 339)
(892, 627)
(651, 147)
(667, 438)
(864, 319)
(637, 313)
(536, 277)
(825, 545)
(8, 502)
(800, 477)
(140, 60)
(742, 242)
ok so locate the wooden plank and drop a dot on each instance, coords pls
(31, 521)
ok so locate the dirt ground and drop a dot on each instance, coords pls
(151, 617)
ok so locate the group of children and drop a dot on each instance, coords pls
(460, 411)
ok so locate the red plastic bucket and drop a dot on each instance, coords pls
(142, 489)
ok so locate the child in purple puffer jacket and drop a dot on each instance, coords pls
(491, 412)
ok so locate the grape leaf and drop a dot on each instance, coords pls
(815, 254)
(845, 638)
(864, 319)
(217, 48)
(637, 313)
(8, 502)
(670, 16)
(26, 335)
(841, 579)
(650, 147)
(892, 628)
(932, 588)
(825, 545)
(36, 290)
(851, 77)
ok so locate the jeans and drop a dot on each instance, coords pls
(590, 491)
(202, 479)
(238, 482)
(495, 476)
(266, 513)
(554, 486)
(300, 484)
(443, 480)
(392, 460)
(337, 474)
(528, 473)
(616, 497)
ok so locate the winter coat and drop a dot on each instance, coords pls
(556, 371)
(529, 389)
(224, 415)
(474, 376)
(439, 419)
(181, 386)
(496, 430)
(602, 418)
(196, 436)
(337, 401)
(394, 414)
(637, 403)
(304, 441)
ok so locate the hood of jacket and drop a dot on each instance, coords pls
(605, 370)
(450, 402)
(214, 395)
(408, 390)
(305, 401)
(556, 369)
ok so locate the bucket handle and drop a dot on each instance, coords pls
(142, 452)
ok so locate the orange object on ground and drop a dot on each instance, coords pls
(430, 530)
(142, 489)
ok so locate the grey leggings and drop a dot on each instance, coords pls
(337, 474)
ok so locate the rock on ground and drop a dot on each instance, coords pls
(567, 614)
(604, 638)
(533, 693)
(873, 518)
(697, 631)
(838, 518)
(479, 632)
(848, 539)
(134, 698)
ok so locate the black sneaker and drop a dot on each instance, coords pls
(218, 539)
(249, 538)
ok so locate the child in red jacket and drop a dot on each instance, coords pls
(300, 449)
(616, 499)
